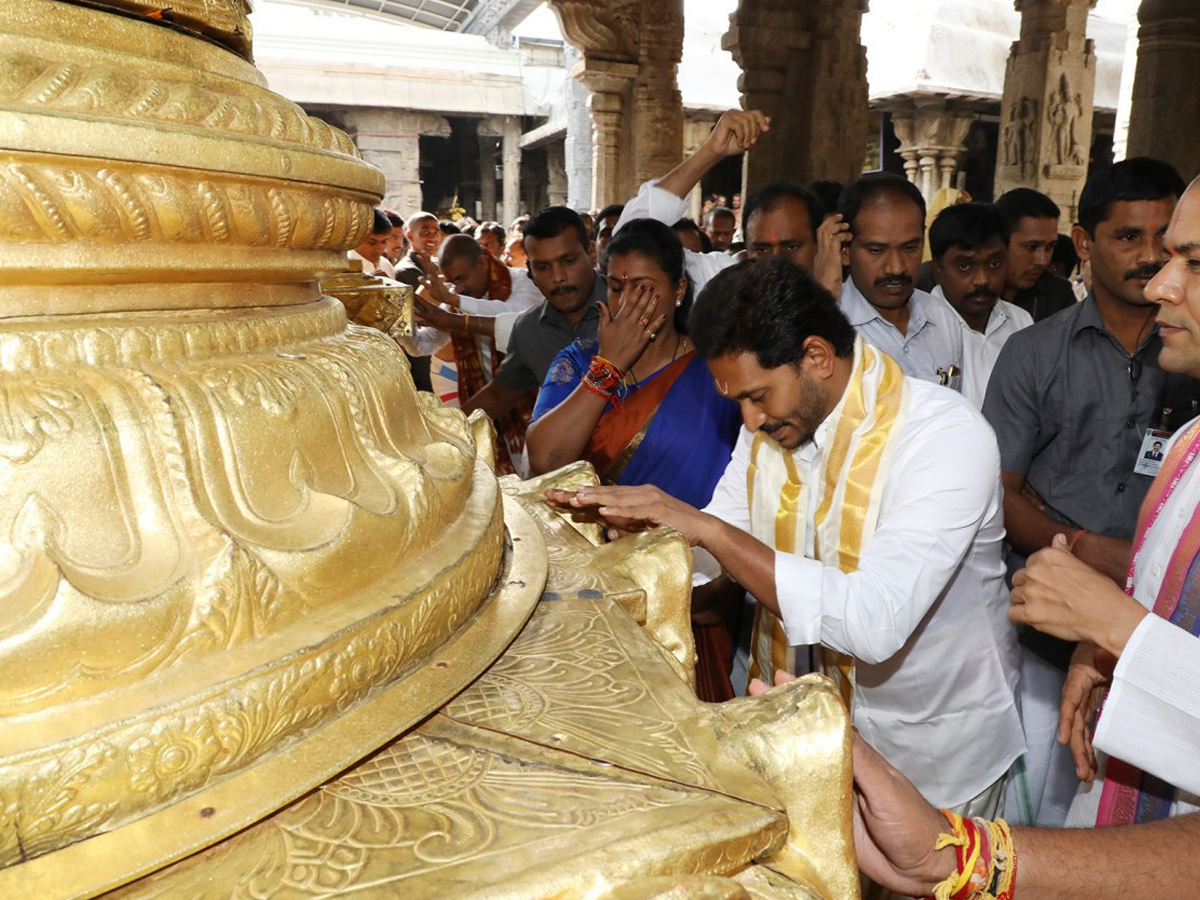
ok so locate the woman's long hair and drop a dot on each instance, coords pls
(658, 242)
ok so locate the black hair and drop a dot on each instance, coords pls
(379, 222)
(1021, 203)
(827, 191)
(1139, 178)
(770, 196)
(723, 211)
(687, 224)
(445, 226)
(553, 221)
(494, 228)
(612, 210)
(967, 226)
(767, 307)
(394, 217)
(659, 243)
(873, 185)
(1065, 253)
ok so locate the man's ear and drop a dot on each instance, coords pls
(845, 251)
(819, 356)
(1083, 242)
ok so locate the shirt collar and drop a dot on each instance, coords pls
(811, 449)
(996, 318)
(553, 316)
(858, 309)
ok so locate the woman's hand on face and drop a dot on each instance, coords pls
(625, 334)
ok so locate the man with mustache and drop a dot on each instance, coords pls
(967, 242)
(886, 216)
(1074, 400)
(560, 265)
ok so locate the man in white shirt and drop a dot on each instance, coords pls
(371, 251)
(466, 281)
(863, 508)
(886, 216)
(968, 243)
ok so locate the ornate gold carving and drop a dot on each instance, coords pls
(71, 87)
(482, 802)
(53, 201)
(653, 586)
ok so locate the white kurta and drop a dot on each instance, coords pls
(981, 350)
(926, 611)
(1151, 717)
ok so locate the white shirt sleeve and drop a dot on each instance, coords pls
(502, 330)
(1151, 718)
(652, 202)
(524, 296)
(729, 502)
(425, 341)
(945, 477)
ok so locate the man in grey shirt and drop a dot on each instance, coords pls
(561, 267)
(886, 215)
(1072, 399)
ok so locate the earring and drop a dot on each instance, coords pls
(678, 303)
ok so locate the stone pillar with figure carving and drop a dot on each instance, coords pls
(932, 140)
(630, 56)
(805, 66)
(1166, 87)
(391, 140)
(1046, 114)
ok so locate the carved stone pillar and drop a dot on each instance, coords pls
(392, 141)
(1166, 87)
(1046, 115)
(556, 174)
(805, 66)
(510, 151)
(932, 140)
(609, 83)
(657, 102)
(577, 148)
(631, 50)
(489, 132)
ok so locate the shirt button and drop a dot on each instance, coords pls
(1156, 570)
(1121, 487)
(1129, 423)
(1179, 513)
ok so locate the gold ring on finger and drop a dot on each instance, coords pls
(653, 334)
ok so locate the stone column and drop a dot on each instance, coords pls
(805, 66)
(932, 140)
(609, 82)
(578, 145)
(630, 53)
(489, 131)
(1046, 114)
(1165, 114)
(510, 144)
(391, 140)
(657, 102)
(556, 174)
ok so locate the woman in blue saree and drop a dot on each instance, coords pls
(639, 404)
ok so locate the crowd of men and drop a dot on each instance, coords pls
(934, 420)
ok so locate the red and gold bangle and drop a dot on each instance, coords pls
(603, 379)
(985, 860)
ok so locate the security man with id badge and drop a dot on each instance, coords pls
(1077, 402)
